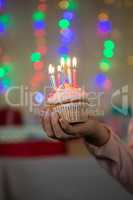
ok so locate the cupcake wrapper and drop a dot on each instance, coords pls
(73, 112)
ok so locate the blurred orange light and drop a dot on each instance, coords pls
(64, 4)
(103, 16)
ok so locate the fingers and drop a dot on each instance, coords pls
(80, 129)
(47, 124)
(130, 127)
(68, 128)
(59, 133)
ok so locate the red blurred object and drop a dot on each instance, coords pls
(32, 149)
(42, 50)
(38, 66)
(39, 33)
(42, 7)
(10, 116)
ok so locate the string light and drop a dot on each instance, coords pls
(108, 53)
(105, 65)
(104, 28)
(5, 62)
(67, 36)
(103, 16)
(100, 80)
(39, 31)
(109, 44)
(64, 4)
(64, 24)
(39, 16)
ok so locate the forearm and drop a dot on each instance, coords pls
(117, 159)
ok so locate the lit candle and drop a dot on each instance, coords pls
(69, 73)
(51, 70)
(62, 63)
(74, 72)
(59, 75)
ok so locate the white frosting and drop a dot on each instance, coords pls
(62, 95)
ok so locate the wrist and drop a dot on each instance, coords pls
(100, 137)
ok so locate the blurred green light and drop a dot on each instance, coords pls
(6, 82)
(2, 72)
(35, 57)
(109, 44)
(72, 5)
(7, 67)
(105, 65)
(64, 24)
(38, 16)
(108, 53)
(66, 57)
(5, 19)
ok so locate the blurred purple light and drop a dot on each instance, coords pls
(38, 25)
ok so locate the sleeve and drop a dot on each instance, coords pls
(117, 159)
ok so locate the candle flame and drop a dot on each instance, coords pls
(59, 68)
(51, 69)
(62, 62)
(74, 61)
(68, 62)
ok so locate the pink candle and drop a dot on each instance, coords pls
(74, 78)
(58, 75)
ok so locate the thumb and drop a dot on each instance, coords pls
(68, 128)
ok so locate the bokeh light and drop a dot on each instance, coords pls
(66, 57)
(39, 33)
(39, 98)
(68, 15)
(108, 53)
(103, 16)
(39, 16)
(100, 79)
(2, 5)
(42, 7)
(72, 5)
(105, 65)
(2, 88)
(38, 65)
(64, 4)
(104, 26)
(42, 50)
(64, 23)
(67, 35)
(2, 72)
(35, 57)
(2, 28)
(38, 25)
(107, 84)
(109, 44)
(6, 82)
(5, 19)
(63, 50)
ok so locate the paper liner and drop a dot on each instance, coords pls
(73, 112)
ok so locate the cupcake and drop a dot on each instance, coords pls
(70, 103)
